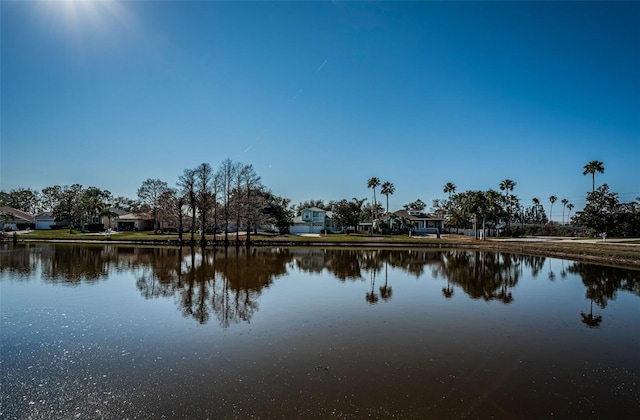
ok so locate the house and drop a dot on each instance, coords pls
(313, 220)
(110, 220)
(15, 219)
(421, 223)
(44, 220)
(134, 221)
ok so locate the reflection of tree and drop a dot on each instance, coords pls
(371, 296)
(603, 282)
(159, 277)
(481, 275)
(19, 260)
(345, 264)
(602, 285)
(386, 291)
(589, 319)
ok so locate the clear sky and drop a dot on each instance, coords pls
(321, 96)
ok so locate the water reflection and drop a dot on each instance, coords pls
(226, 283)
(602, 285)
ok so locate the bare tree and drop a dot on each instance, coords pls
(187, 185)
(226, 175)
(204, 179)
(149, 193)
(253, 206)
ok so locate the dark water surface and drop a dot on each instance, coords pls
(124, 332)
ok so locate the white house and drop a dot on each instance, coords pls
(313, 220)
(44, 220)
(421, 223)
(134, 221)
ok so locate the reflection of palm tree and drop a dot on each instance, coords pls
(386, 291)
(447, 291)
(372, 297)
(589, 319)
(551, 275)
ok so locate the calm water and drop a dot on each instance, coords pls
(123, 332)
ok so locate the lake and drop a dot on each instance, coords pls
(135, 332)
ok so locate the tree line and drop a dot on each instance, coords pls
(232, 196)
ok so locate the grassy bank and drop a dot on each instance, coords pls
(608, 252)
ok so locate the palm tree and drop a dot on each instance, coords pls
(449, 188)
(506, 186)
(591, 168)
(564, 202)
(536, 203)
(373, 182)
(570, 207)
(552, 199)
(388, 189)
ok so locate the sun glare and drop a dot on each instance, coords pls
(80, 19)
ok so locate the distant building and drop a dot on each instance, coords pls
(15, 219)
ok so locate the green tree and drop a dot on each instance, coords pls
(278, 211)
(347, 213)
(591, 168)
(312, 203)
(69, 205)
(417, 205)
(507, 185)
(604, 213)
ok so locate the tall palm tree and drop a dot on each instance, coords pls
(564, 202)
(570, 207)
(449, 188)
(536, 203)
(388, 189)
(552, 199)
(373, 183)
(591, 168)
(506, 186)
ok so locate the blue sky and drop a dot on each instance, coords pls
(320, 96)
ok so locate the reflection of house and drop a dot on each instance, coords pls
(15, 219)
(135, 221)
(313, 220)
(421, 223)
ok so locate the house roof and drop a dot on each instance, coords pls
(135, 216)
(17, 214)
(415, 215)
(315, 209)
(45, 215)
(118, 211)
